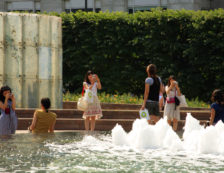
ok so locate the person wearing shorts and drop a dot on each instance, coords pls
(153, 87)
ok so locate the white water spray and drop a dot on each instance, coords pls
(196, 138)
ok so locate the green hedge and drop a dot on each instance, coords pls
(118, 47)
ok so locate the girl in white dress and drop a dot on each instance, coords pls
(171, 110)
(93, 112)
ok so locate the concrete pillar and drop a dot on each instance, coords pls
(31, 58)
(52, 5)
(114, 5)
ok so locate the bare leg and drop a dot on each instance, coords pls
(151, 121)
(161, 104)
(169, 122)
(93, 121)
(175, 124)
(87, 123)
(157, 118)
(154, 119)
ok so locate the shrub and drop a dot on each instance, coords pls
(118, 46)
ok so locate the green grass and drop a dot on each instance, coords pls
(128, 99)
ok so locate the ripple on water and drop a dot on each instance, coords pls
(77, 152)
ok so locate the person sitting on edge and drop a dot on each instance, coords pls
(43, 120)
(8, 118)
(217, 107)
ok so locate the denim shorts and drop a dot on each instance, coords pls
(153, 108)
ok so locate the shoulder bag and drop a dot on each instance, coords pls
(82, 103)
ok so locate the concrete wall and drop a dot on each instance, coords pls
(23, 5)
(77, 4)
(52, 5)
(202, 4)
(218, 3)
(31, 58)
(2, 5)
(111, 5)
(114, 5)
(148, 3)
(188, 4)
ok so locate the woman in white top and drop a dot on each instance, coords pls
(93, 112)
(171, 110)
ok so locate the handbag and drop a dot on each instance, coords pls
(183, 102)
(7, 110)
(170, 100)
(82, 103)
(88, 96)
(177, 101)
(144, 114)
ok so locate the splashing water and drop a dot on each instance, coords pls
(196, 138)
(145, 149)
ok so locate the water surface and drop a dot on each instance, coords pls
(78, 152)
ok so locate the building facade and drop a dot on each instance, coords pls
(111, 5)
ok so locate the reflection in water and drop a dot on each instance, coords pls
(23, 151)
(20, 153)
(39, 138)
(5, 137)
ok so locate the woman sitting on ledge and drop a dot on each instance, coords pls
(43, 120)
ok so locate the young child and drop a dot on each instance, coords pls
(217, 107)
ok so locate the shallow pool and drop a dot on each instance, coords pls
(78, 152)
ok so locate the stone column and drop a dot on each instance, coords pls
(31, 58)
(114, 5)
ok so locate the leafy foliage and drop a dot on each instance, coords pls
(118, 47)
(128, 99)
